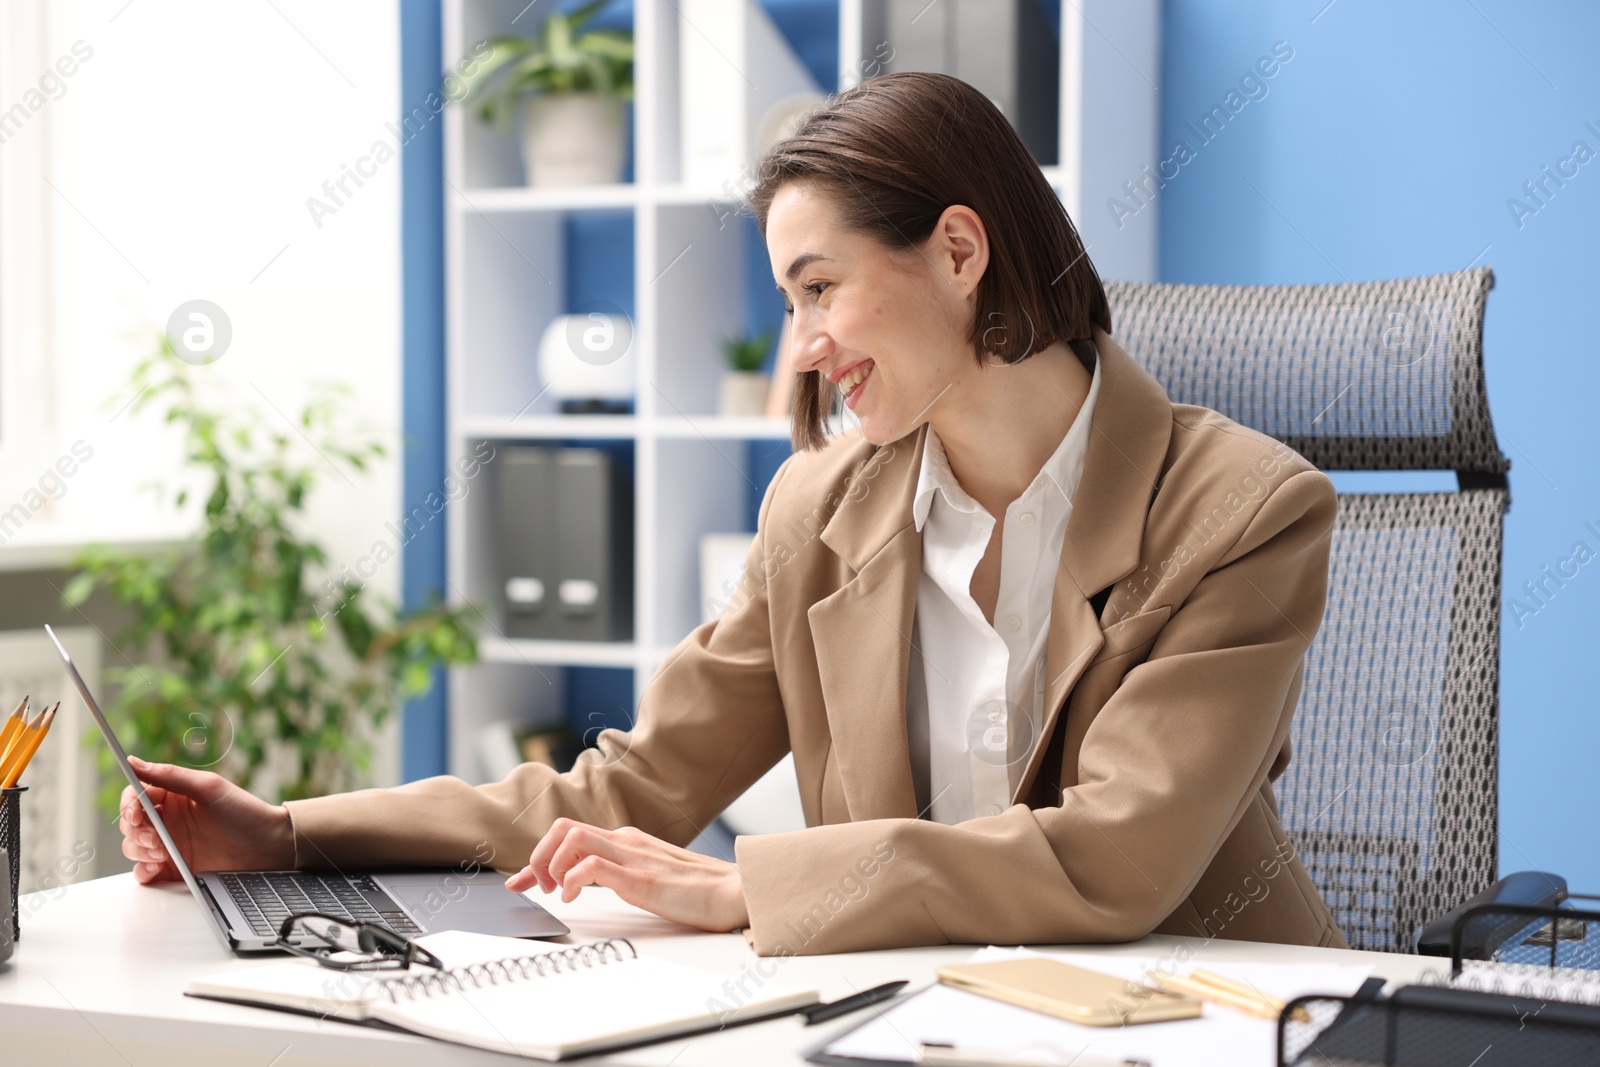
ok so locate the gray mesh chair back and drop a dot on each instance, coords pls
(1391, 797)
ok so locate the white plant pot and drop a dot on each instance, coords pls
(743, 394)
(572, 139)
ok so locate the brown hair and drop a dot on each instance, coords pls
(893, 153)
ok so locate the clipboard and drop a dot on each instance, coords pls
(817, 1052)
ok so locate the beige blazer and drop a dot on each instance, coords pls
(1146, 805)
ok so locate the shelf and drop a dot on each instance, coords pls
(693, 196)
(720, 428)
(550, 426)
(671, 427)
(542, 198)
(558, 653)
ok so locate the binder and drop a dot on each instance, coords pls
(735, 66)
(1004, 48)
(593, 572)
(565, 532)
(524, 490)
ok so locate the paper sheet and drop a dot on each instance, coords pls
(1219, 1036)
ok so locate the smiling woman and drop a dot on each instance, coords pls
(864, 168)
(996, 738)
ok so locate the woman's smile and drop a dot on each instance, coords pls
(852, 381)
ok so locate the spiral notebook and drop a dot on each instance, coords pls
(494, 995)
(1566, 984)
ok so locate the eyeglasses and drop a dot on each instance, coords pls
(319, 936)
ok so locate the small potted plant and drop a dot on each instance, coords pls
(570, 85)
(744, 387)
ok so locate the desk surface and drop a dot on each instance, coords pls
(98, 975)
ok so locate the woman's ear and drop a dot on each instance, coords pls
(960, 247)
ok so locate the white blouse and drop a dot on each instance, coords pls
(975, 695)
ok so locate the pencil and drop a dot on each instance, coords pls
(20, 764)
(13, 727)
(1250, 1004)
(24, 733)
(18, 742)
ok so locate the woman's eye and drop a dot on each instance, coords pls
(814, 288)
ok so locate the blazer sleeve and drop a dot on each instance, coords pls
(710, 723)
(1166, 770)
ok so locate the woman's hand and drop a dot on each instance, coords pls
(216, 825)
(673, 882)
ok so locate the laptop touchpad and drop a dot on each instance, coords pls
(479, 902)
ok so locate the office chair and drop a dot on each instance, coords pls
(1391, 797)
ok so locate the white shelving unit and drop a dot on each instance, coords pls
(505, 276)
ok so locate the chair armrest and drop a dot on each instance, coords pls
(1531, 888)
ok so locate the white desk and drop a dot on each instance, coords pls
(98, 975)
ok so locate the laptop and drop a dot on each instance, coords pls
(247, 907)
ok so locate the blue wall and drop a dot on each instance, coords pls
(423, 725)
(1390, 146)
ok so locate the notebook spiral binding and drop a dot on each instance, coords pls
(1532, 981)
(494, 972)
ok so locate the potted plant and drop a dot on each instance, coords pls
(570, 84)
(238, 662)
(744, 387)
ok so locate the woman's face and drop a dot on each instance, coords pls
(885, 329)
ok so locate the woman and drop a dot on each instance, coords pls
(1033, 633)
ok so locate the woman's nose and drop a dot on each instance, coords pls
(810, 347)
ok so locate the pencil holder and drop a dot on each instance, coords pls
(11, 842)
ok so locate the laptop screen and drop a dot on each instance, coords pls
(132, 776)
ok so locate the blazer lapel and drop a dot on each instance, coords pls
(862, 633)
(1129, 434)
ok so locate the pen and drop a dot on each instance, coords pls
(1024, 1056)
(823, 1012)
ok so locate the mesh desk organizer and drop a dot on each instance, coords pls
(1391, 797)
(1523, 988)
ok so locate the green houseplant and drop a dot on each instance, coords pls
(245, 668)
(744, 387)
(570, 83)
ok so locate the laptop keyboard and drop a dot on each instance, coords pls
(267, 899)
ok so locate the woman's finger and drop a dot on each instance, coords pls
(579, 843)
(539, 861)
(132, 810)
(141, 849)
(621, 879)
(145, 873)
(536, 871)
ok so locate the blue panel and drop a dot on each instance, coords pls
(762, 460)
(812, 29)
(763, 304)
(599, 698)
(600, 259)
(1407, 139)
(423, 730)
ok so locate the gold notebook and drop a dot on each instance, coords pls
(1076, 994)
